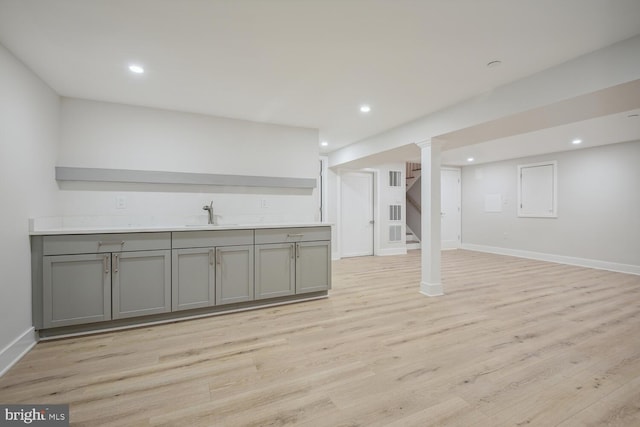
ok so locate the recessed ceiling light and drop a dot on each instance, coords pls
(137, 69)
(576, 141)
(470, 159)
(324, 143)
(494, 64)
(365, 108)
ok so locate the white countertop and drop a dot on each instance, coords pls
(141, 229)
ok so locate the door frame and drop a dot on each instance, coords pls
(374, 207)
(322, 189)
(459, 171)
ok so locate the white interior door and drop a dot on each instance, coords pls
(450, 208)
(356, 214)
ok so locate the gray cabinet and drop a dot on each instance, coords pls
(234, 274)
(193, 278)
(275, 270)
(141, 283)
(96, 277)
(212, 267)
(292, 261)
(87, 278)
(313, 266)
(76, 289)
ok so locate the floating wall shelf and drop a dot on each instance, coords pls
(158, 177)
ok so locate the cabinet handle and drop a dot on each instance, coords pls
(295, 235)
(297, 250)
(101, 243)
(106, 264)
(210, 256)
(218, 256)
(291, 251)
(116, 263)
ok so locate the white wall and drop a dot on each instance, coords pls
(29, 113)
(598, 207)
(385, 196)
(333, 211)
(104, 135)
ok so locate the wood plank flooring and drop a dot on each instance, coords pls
(513, 342)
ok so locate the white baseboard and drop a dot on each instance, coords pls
(560, 259)
(392, 251)
(381, 252)
(13, 352)
(431, 289)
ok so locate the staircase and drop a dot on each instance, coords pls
(413, 173)
(412, 240)
(413, 209)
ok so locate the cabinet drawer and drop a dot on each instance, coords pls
(300, 234)
(207, 239)
(101, 243)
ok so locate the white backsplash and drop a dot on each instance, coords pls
(99, 209)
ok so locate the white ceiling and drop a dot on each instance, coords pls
(610, 129)
(305, 63)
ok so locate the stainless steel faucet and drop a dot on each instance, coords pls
(209, 209)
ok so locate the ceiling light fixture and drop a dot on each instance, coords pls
(494, 64)
(576, 141)
(324, 143)
(470, 159)
(137, 69)
(365, 108)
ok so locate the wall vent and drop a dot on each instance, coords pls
(395, 233)
(395, 178)
(395, 212)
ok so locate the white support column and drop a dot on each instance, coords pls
(430, 194)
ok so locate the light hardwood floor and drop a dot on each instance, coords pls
(513, 342)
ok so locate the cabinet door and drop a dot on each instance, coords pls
(313, 266)
(76, 289)
(193, 278)
(275, 270)
(234, 274)
(141, 283)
